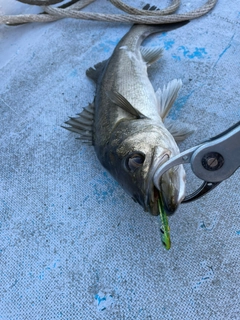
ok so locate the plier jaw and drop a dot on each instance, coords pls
(201, 191)
(212, 161)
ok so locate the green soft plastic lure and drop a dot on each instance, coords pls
(165, 230)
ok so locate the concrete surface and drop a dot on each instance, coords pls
(73, 245)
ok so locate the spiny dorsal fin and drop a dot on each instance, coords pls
(123, 103)
(167, 96)
(96, 71)
(178, 131)
(84, 133)
(76, 122)
(83, 124)
(151, 55)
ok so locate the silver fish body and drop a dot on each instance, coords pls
(128, 133)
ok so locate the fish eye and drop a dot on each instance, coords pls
(134, 161)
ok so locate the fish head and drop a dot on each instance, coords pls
(138, 158)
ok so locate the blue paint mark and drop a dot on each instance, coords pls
(41, 276)
(208, 276)
(202, 225)
(105, 187)
(104, 47)
(108, 45)
(238, 232)
(178, 105)
(73, 73)
(162, 35)
(51, 267)
(184, 50)
(103, 301)
(225, 50)
(102, 195)
(105, 174)
(113, 42)
(175, 57)
(198, 53)
(99, 299)
(168, 44)
(211, 225)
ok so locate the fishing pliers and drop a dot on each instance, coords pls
(212, 161)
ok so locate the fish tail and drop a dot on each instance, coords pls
(139, 32)
(159, 28)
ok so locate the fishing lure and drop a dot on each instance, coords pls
(165, 229)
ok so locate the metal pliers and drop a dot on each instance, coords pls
(212, 161)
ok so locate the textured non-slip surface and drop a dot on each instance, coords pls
(73, 245)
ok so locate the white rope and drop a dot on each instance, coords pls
(133, 15)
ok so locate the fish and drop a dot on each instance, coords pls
(126, 122)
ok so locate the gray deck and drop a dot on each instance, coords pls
(73, 245)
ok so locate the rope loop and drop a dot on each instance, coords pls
(72, 9)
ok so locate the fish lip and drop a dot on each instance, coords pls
(152, 194)
(172, 195)
(169, 206)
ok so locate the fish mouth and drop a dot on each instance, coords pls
(152, 194)
(171, 186)
(170, 195)
(153, 201)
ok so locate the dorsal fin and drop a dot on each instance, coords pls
(167, 96)
(83, 124)
(123, 103)
(151, 55)
(96, 71)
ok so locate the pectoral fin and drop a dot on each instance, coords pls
(123, 103)
(167, 96)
